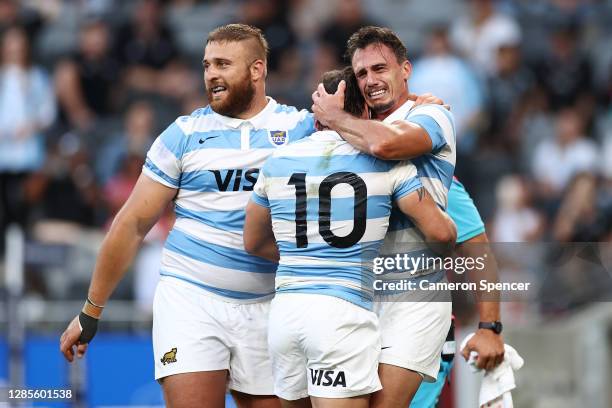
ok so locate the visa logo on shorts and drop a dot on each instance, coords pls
(327, 378)
(236, 179)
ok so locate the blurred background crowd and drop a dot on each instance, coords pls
(86, 85)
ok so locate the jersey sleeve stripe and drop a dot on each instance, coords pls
(435, 168)
(174, 140)
(154, 172)
(442, 116)
(406, 188)
(259, 200)
(432, 128)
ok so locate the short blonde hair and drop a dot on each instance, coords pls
(241, 32)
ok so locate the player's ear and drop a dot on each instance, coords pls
(258, 70)
(406, 70)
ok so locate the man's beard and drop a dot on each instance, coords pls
(381, 108)
(239, 98)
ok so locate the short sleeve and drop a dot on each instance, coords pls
(404, 179)
(437, 122)
(260, 195)
(464, 213)
(163, 162)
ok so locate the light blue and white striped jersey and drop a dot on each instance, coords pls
(214, 161)
(435, 170)
(330, 207)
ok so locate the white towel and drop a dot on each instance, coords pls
(497, 383)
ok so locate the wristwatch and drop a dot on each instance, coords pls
(495, 326)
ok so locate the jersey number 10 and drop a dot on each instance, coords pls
(360, 208)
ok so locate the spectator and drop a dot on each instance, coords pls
(508, 87)
(145, 42)
(479, 35)
(515, 220)
(557, 160)
(13, 13)
(65, 189)
(272, 17)
(565, 73)
(450, 78)
(27, 108)
(134, 140)
(149, 55)
(85, 82)
(348, 18)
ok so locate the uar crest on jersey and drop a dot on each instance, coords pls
(278, 137)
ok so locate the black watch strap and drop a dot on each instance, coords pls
(497, 327)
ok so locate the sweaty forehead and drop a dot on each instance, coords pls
(373, 54)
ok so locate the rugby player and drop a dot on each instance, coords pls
(327, 205)
(413, 333)
(211, 304)
(472, 242)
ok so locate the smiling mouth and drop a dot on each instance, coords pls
(376, 93)
(217, 90)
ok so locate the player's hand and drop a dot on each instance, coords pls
(489, 346)
(80, 331)
(70, 339)
(328, 107)
(427, 98)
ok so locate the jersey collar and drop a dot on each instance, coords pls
(258, 121)
(400, 113)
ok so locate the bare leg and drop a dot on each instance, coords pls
(361, 401)
(205, 389)
(399, 387)
(255, 401)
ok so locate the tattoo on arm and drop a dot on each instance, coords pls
(421, 193)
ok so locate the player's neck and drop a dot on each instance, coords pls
(259, 103)
(398, 104)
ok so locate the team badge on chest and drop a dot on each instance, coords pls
(278, 137)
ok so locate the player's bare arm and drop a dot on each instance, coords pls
(399, 140)
(137, 216)
(488, 344)
(396, 141)
(258, 236)
(437, 227)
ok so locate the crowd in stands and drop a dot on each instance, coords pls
(86, 85)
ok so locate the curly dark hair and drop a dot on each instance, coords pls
(353, 100)
(375, 35)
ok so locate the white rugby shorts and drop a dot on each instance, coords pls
(322, 346)
(413, 334)
(194, 332)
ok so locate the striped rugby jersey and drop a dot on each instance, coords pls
(214, 161)
(330, 207)
(435, 170)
